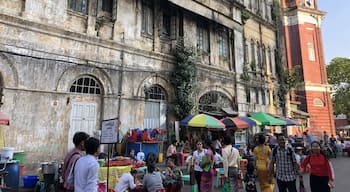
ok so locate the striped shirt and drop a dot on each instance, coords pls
(284, 159)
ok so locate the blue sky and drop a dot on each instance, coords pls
(335, 28)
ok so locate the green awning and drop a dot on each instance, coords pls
(267, 119)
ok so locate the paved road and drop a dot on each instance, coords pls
(341, 167)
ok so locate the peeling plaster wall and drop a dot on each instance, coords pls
(44, 48)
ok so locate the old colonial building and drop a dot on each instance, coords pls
(67, 65)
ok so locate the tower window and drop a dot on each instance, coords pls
(311, 52)
(318, 102)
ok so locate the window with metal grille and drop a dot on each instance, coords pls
(147, 17)
(86, 85)
(213, 102)
(203, 37)
(79, 5)
(263, 97)
(155, 92)
(223, 42)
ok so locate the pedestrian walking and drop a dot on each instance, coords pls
(262, 155)
(320, 169)
(207, 164)
(72, 156)
(196, 159)
(286, 166)
(86, 168)
(231, 162)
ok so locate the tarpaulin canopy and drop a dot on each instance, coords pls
(267, 119)
(290, 122)
(235, 122)
(4, 120)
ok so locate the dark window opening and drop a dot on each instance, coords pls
(107, 5)
(147, 17)
(78, 5)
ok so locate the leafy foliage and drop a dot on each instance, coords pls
(338, 72)
(245, 16)
(245, 75)
(182, 78)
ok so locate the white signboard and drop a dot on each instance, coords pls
(109, 131)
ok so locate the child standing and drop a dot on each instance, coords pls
(250, 179)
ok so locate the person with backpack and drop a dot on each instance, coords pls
(287, 167)
(262, 155)
(72, 156)
(320, 169)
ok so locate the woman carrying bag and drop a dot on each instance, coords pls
(320, 169)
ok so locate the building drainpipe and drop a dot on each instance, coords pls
(120, 87)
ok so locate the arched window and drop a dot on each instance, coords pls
(155, 107)
(86, 85)
(318, 102)
(155, 92)
(214, 101)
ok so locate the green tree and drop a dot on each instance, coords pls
(338, 72)
(182, 78)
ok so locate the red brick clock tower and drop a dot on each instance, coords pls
(304, 49)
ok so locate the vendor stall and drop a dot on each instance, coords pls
(114, 174)
(145, 147)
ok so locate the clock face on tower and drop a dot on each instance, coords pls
(309, 3)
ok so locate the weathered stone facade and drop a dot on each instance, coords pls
(49, 50)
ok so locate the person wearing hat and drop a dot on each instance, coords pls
(128, 181)
(299, 156)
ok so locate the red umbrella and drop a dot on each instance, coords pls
(235, 122)
(4, 120)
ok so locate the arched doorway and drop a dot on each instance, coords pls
(155, 107)
(84, 111)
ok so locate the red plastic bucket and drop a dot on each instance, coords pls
(21, 169)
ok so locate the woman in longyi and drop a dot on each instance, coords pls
(261, 161)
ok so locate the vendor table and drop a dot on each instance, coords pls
(114, 174)
(145, 147)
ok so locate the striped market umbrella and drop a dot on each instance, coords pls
(251, 122)
(203, 120)
(235, 123)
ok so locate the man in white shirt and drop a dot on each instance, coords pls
(127, 181)
(140, 157)
(86, 168)
(230, 156)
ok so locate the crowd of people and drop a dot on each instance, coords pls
(276, 163)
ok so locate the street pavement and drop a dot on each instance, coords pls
(341, 167)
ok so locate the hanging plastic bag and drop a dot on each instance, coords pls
(226, 187)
